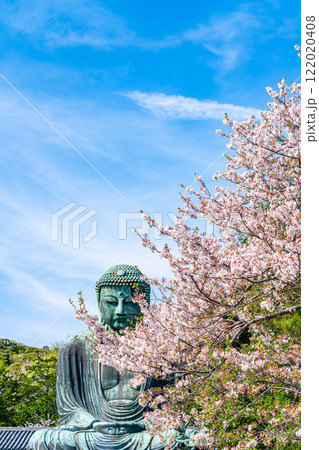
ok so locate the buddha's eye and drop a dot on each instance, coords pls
(110, 301)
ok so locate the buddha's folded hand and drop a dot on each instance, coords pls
(185, 436)
(118, 427)
(78, 425)
(70, 427)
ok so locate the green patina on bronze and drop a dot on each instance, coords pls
(97, 408)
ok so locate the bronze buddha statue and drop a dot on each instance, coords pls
(97, 408)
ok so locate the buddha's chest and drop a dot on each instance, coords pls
(114, 385)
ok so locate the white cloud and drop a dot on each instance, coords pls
(224, 28)
(179, 107)
(70, 23)
(66, 24)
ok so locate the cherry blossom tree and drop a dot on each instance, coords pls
(225, 331)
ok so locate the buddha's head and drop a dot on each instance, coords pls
(115, 292)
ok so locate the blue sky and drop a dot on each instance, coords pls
(138, 88)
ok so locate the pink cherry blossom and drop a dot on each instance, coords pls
(232, 372)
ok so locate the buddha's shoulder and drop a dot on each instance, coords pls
(82, 338)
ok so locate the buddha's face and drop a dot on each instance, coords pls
(117, 307)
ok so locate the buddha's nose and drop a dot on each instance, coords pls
(120, 307)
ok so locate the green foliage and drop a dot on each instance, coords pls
(296, 446)
(36, 393)
(289, 324)
(10, 350)
(8, 388)
(27, 384)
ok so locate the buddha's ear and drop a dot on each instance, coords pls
(101, 315)
(137, 289)
(133, 290)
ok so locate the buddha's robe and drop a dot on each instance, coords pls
(88, 392)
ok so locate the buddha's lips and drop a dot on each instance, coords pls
(124, 317)
(123, 320)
